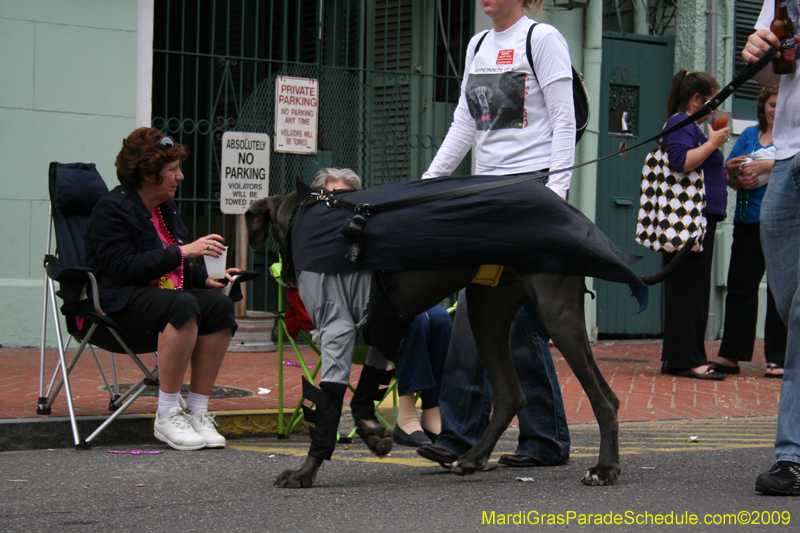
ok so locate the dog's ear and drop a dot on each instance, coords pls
(258, 207)
(257, 219)
(302, 188)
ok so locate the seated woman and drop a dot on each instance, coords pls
(420, 365)
(138, 246)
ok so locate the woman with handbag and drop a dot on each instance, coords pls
(749, 165)
(687, 290)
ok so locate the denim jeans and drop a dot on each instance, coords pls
(780, 236)
(466, 397)
(421, 356)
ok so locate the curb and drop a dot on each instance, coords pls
(23, 434)
(20, 434)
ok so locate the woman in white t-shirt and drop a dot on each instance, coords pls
(520, 122)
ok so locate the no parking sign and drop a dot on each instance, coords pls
(245, 170)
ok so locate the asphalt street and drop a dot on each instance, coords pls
(672, 473)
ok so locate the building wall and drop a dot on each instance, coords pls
(67, 94)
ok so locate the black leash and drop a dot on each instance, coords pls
(372, 209)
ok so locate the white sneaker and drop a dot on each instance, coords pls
(203, 423)
(175, 430)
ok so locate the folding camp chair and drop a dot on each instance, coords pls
(310, 373)
(74, 191)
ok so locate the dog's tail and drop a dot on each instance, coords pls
(658, 277)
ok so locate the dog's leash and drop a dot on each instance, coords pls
(708, 108)
(354, 227)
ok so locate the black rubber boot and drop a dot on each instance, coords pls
(374, 434)
(328, 399)
(368, 392)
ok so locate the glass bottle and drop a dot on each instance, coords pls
(783, 28)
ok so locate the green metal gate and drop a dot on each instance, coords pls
(637, 72)
(388, 74)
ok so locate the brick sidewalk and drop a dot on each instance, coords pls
(631, 367)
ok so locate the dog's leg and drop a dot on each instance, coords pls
(302, 478)
(559, 303)
(328, 399)
(491, 310)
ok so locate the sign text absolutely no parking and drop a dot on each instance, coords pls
(245, 170)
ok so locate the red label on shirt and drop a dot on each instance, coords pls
(505, 57)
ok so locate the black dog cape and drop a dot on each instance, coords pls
(521, 225)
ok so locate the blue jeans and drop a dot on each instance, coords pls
(466, 396)
(421, 356)
(780, 236)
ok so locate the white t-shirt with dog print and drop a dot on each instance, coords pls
(787, 114)
(502, 108)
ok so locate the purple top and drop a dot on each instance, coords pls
(679, 143)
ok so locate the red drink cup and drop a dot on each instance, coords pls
(721, 119)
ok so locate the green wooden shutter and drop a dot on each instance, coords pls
(744, 99)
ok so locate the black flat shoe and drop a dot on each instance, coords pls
(722, 369)
(431, 435)
(438, 455)
(415, 439)
(709, 374)
(519, 460)
(669, 371)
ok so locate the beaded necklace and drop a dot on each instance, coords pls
(164, 282)
(758, 143)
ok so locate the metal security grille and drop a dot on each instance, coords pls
(387, 84)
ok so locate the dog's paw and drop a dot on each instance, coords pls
(597, 476)
(376, 436)
(293, 479)
(467, 467)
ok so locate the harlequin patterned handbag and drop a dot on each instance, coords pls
(671, 205)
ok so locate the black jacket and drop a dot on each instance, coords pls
(125, 251)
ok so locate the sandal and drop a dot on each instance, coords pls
(722, 369)
(774, 371)
(709, 374)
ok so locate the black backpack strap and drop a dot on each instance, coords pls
(528, 48)
(480, 41)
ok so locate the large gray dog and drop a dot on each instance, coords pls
(559, 302)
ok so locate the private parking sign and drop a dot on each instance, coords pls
(296, 112)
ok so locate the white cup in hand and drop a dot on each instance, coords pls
(216, 266)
